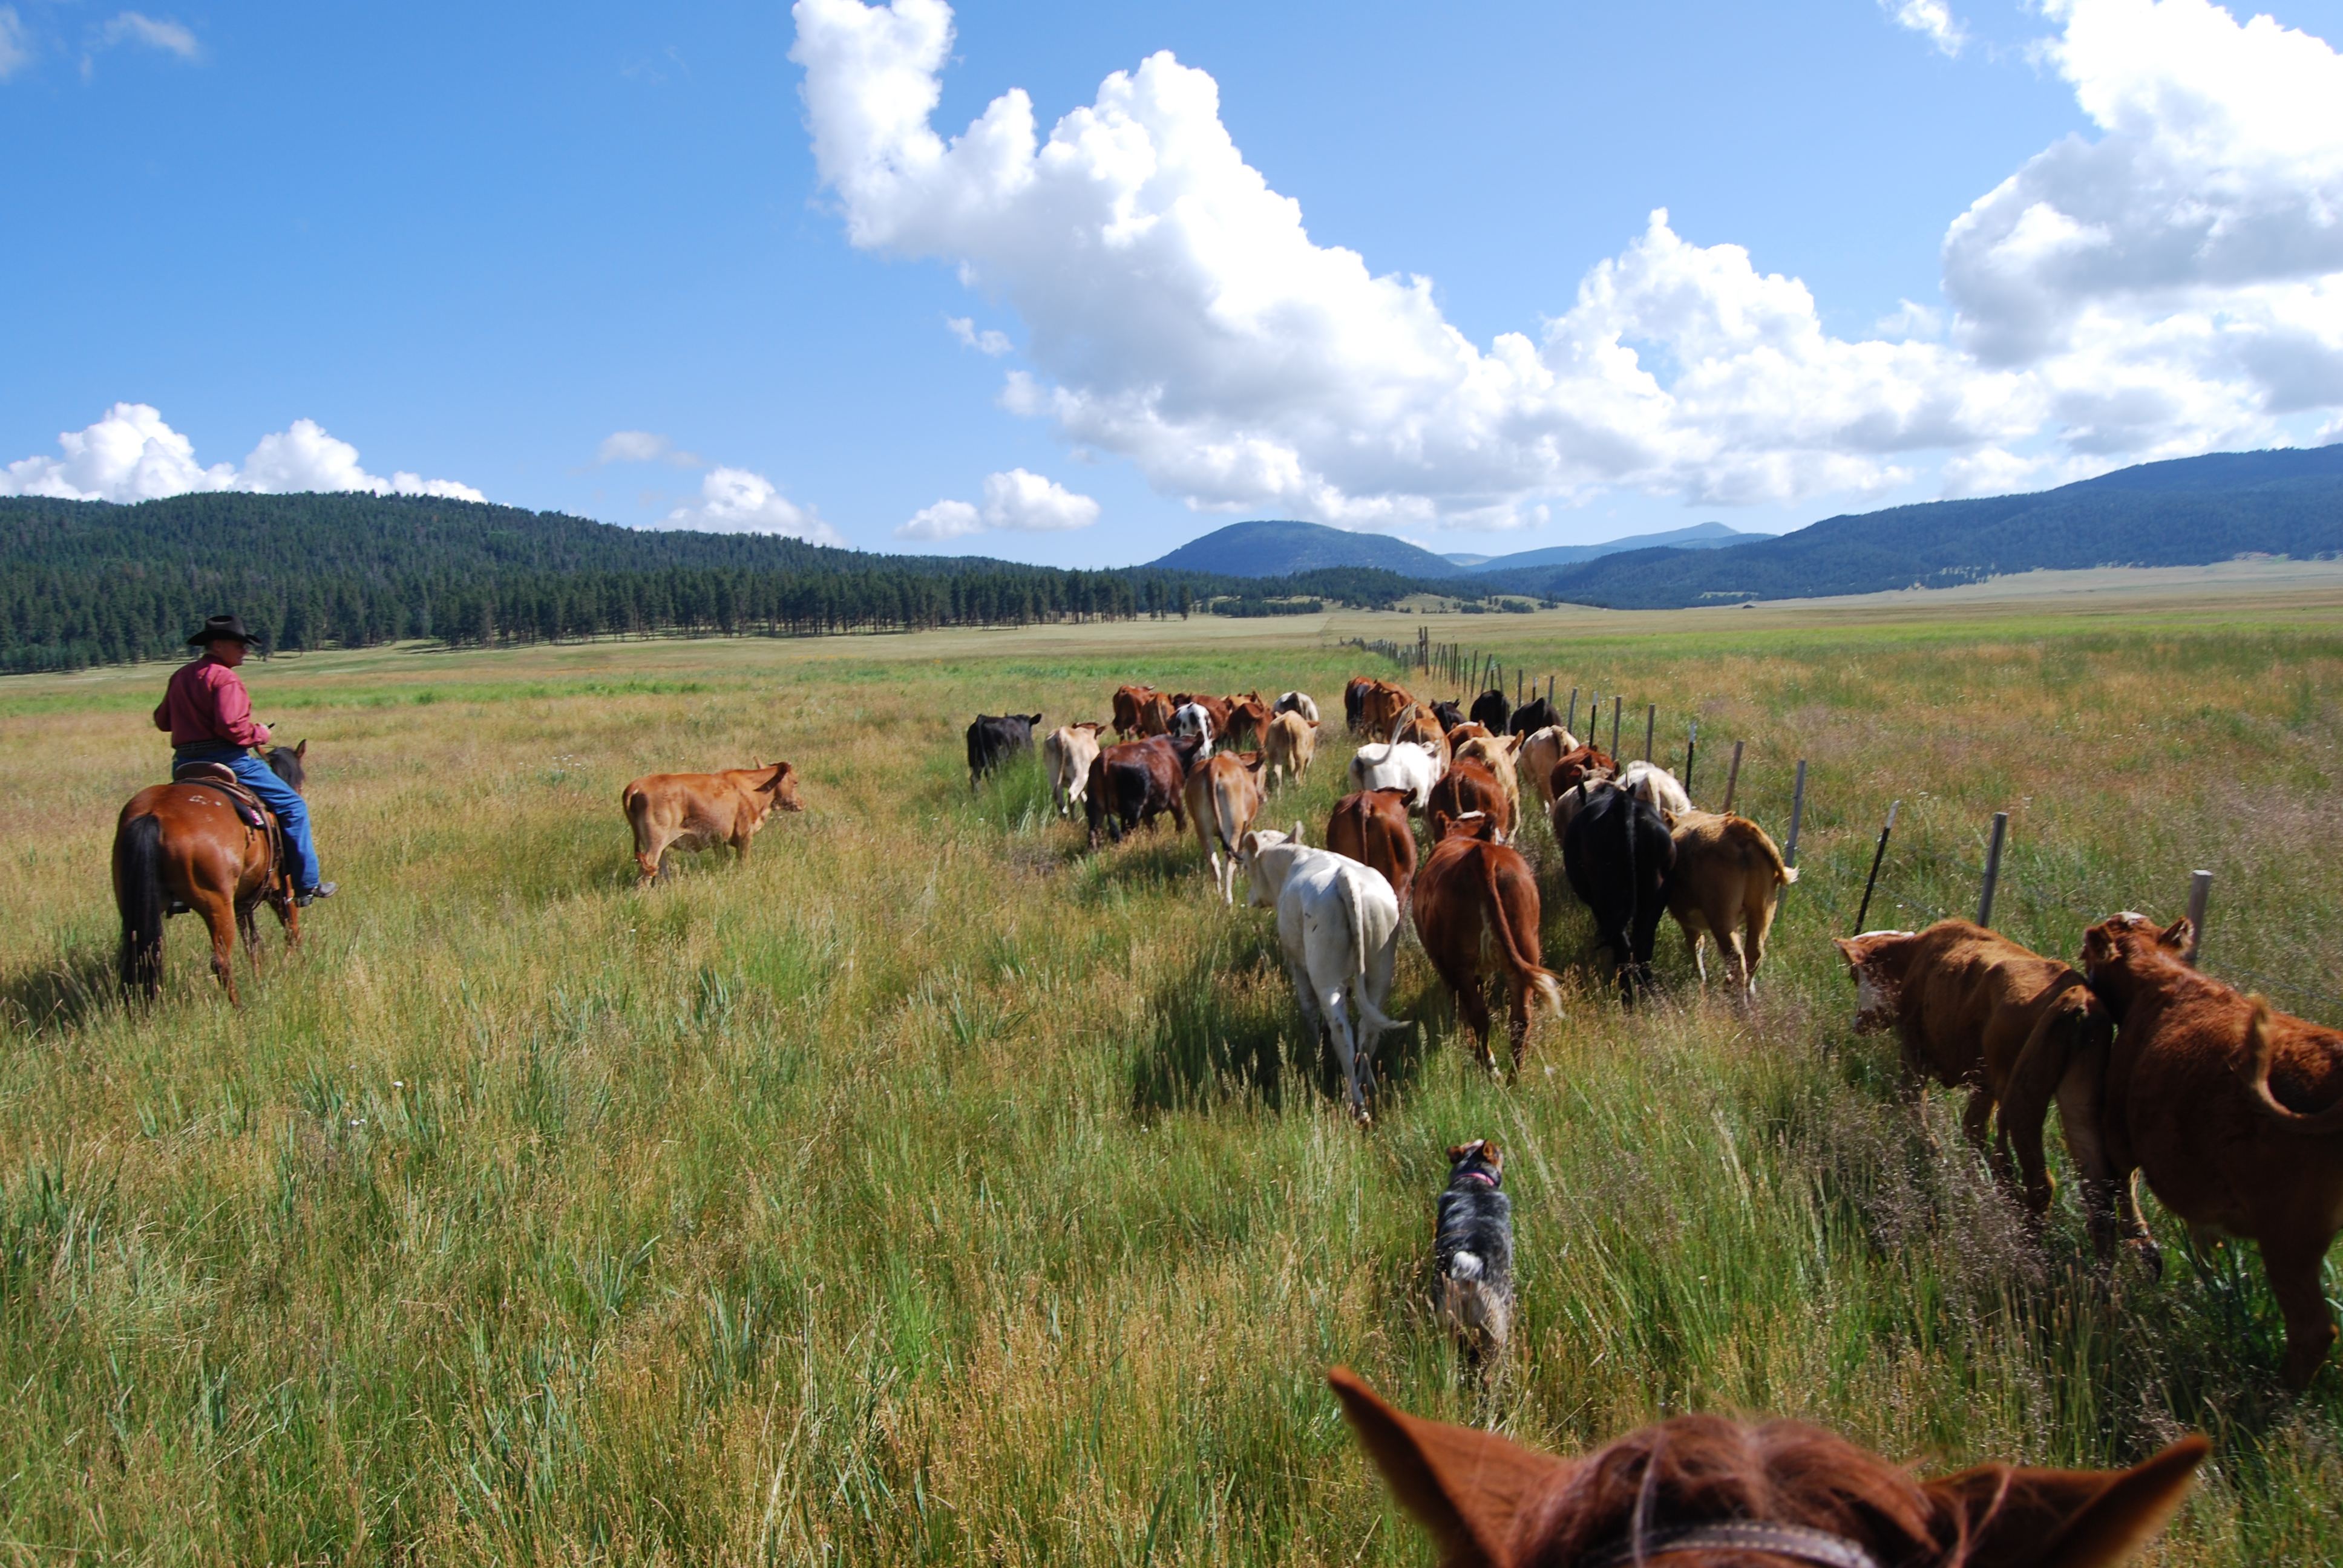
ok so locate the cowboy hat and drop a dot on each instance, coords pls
(222, 629)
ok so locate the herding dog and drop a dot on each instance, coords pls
(1473, 1250)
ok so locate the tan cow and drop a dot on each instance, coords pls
(1224, 795)
(1538, 754)
(2235, 1114)
(2016, 1029)
(1291, 743)
(1497, 754)
(1066, 753)
(694, 812)
(1380, 707)
(1727, 878)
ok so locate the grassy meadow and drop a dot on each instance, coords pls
(928, 1188)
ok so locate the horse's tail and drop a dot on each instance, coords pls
(138, 893)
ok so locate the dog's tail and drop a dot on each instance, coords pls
(2254, 1073)
(1465, 1266)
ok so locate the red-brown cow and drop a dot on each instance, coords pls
(2234, 1113)
(1155, 714)
(1132, 782)
(1247, 715)
(1129, 702)
(1464, 789)
(1476, 911)
(691, 811)
(1371, 828)
(1380, 708)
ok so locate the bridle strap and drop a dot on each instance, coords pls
(1794, 1542)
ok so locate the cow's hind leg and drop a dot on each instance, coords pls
(2293, 1266)
(1346, 1046)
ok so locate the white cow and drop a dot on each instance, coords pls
(1194, 719)
(1338, 924)
(1296, 702)
(1066, 753)
(1396, 765)
(1657, 788)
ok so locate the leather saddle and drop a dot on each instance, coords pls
(219, 776)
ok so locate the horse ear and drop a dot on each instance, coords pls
(2023, 1518)
(301, 752)
(1468, 1488)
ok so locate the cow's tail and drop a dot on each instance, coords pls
(2254, 1073)
(1400, 723)
(1355, 908)
(1543, 981)
(1784, 875)
(138, 894)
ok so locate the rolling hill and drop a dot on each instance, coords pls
(1699, 537)
(1272, 549)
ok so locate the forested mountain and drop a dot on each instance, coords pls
(1699, 537)
(1276, 550)
(86, 582)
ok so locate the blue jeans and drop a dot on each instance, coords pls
(276, 795)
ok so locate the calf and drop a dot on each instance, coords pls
(1656, 786)
(1617, 855)
(1354, 702)
(1193, 721)
(1215, 707)
(1491, 708)
(1155, 714)
(1381, 706)
(1133, 781)
(1449, 715)
(994, 741)
(1579, 764)
(1533, 715)
(1293, 742)
(1223, 795)
(692, 811)
(1066, 753)
(1371, 828)
(1247, 715)
(2234, 1113)
(1418, 727)
(1476, 910)
(1402, 765)
(1464, 790)
(1537, 755)
(1296, 702)
(1338, 927)
(1130, 701)
(1728, 877)
(1974, 1010)
(1497, 756)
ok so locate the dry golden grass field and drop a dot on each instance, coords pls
(929, 1188)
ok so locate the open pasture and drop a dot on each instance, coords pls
(927, 1187)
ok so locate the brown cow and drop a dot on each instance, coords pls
(1216, 709)
(1133, 781)
(1381, 708)
(1577, 765)
(1466, 789)
(1416, 725)
(1130, 701)
(1728, 877)
(1974, 1010)
(1458, 734)
(1539, 752)
(1155, 716)
(1354, 697)
(1476, 911)
(1291, 743)
(1222, 794)
(692, 811)
(1698, 1491)
(1371, 828)
(1494, 752)
(2234, 1113)
(1247, 715)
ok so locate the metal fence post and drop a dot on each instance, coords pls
(1992, 868)
(1872, 881)
(2200, 888)
(1650, 725)
(1691, 744)
(1618, 706)
(1797, 812)
(1733, 777)
(1570, 724)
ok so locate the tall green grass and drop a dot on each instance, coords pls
(929, 1187)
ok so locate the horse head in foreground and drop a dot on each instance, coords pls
(1702, 1492)
(203, 843)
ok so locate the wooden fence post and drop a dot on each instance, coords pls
(1871, 881)
(1733, 775)
(1992, 868)
(1797, 814)
(2200, 888)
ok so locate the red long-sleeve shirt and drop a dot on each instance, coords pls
(207, 703)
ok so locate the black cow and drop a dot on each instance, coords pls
(992, 741)
(1535, 714)
(1491, 711)
(1618, 854)
(1133, 781)
(1449, 715)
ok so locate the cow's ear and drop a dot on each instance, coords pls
(1469, 1488)
(1297, 839)
(2176, 937)
(1849, 952)
(1248, 846)
(2018, 1517)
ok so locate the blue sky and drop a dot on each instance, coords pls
(476, 244)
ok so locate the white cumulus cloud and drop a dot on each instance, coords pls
(642, 446)
(135, 27)
(985, 342)
(737, 501)
(2175, 284)
(132, 455)
(1932, 20)
(1018, 501)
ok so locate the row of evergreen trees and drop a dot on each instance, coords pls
(85, 583)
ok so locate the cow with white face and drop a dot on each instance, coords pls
(1338, 926)
(1193, 721)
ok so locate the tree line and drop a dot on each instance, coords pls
(88, 582)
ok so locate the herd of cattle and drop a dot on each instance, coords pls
(2232, 1112)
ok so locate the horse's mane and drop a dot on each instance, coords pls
(1701, 1469)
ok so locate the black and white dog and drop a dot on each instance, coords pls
(1473, 1250)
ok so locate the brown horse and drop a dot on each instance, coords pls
(181, 847)
(1701, 1491)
